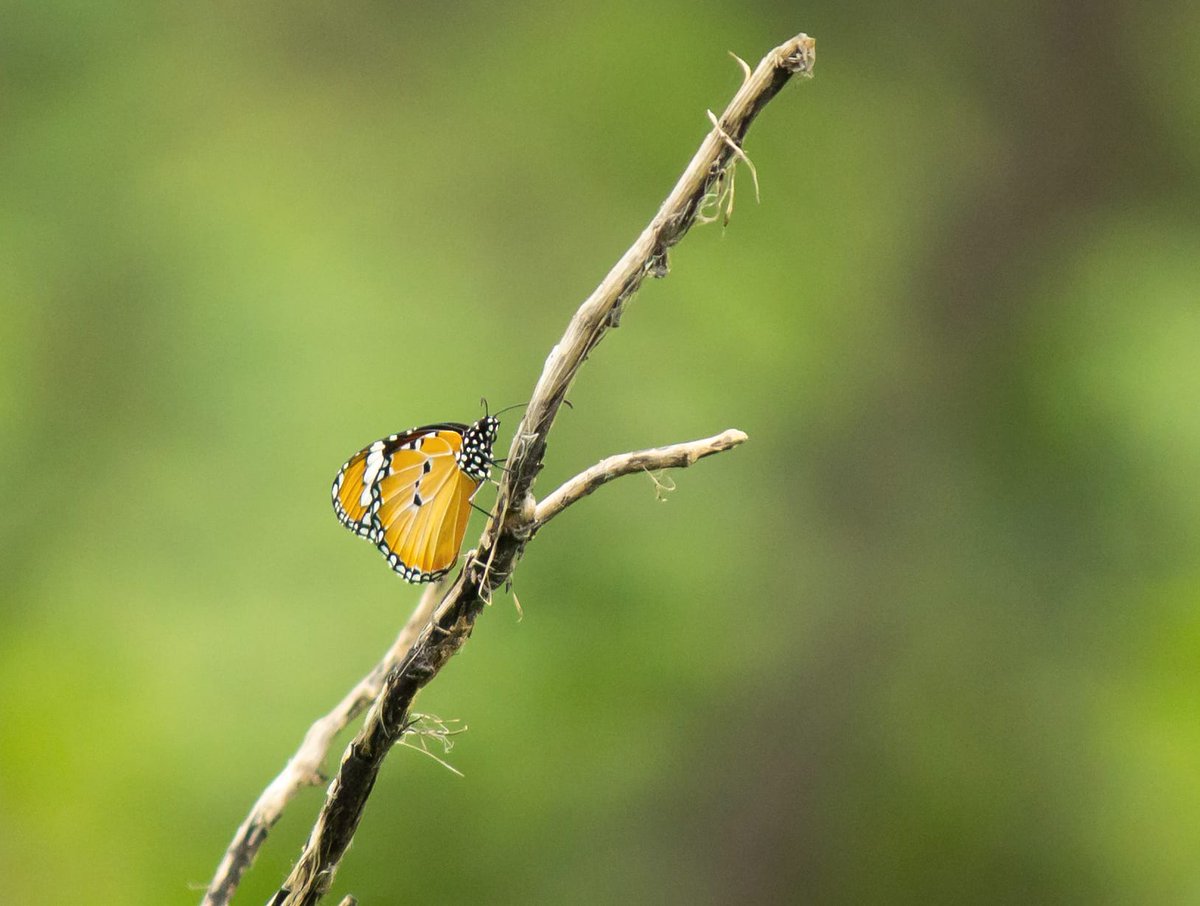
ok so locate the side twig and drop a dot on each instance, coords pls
(515, 515)
(676, 456)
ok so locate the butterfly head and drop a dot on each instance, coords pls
(476, 456)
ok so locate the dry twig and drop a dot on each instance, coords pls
(304, 768)
(515, 518)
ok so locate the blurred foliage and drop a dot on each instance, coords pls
(932, 635)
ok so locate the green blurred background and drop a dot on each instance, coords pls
(932, 635)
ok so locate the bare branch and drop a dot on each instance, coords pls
(304, 768)
(648, 255)
(514, 515)
(676, 456)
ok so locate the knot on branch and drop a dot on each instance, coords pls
(657, 266)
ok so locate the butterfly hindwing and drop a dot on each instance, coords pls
(424, 521)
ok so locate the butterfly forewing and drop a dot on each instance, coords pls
(355, 493)
(352, 496)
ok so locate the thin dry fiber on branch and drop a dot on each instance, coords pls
(439, 628)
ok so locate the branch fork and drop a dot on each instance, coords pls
(445, 616)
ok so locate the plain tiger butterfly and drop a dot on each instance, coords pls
(410, 494)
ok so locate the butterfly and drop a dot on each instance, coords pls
(410, 494)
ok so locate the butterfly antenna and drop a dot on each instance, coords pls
(499, 412)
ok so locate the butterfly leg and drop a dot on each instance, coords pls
(484, 589)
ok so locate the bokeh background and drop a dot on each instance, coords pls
(932, 635)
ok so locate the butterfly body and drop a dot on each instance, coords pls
(410, 494)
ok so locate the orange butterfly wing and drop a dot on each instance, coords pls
(410, 494)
